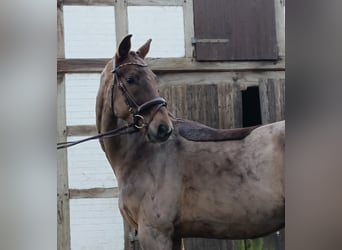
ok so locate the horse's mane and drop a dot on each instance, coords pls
(194, 131)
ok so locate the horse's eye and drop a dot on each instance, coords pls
(130, 80)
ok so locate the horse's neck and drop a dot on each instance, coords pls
(123, 148)
(111, 122)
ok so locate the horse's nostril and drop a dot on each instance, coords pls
(163, 130)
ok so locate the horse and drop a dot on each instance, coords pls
(178, 178)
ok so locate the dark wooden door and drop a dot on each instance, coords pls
(227, 30)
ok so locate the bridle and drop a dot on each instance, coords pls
(135, 109)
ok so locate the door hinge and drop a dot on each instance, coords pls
(207, 40)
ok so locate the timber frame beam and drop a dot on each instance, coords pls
(94, 193)
(128, 2)
(172, 65)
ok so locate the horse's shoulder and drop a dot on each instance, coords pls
(194, 131)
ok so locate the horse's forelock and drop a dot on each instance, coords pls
(133, 53)
(133, 57)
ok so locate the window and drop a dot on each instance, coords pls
(89, 32)
(163, 24)
(251, 114)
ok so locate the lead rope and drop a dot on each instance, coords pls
(112, 133)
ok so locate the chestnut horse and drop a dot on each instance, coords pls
(179, 178)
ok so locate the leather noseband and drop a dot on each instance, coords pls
(135, 109)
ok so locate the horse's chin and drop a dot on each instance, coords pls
(154, 139)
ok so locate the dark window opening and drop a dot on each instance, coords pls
(251, 113)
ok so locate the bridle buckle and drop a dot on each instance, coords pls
(139, 121)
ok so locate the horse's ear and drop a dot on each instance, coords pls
(124, 48)
(143, 50)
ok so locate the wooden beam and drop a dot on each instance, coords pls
(279, 6)
(129, 2)
(63, 211)
(121, 21)
(171, 65)
(81, 130)
(89, 2)
(272, 100)
(155, 3)
(81, 65)
(60, 30)
(94, 193)
(188, 16)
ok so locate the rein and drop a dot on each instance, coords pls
(112, 133)
(135, 109)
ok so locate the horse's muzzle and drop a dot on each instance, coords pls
(162, 134)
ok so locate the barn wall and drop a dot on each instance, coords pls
(215, 98)
(96, 224)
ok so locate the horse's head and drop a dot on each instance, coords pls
(135, 96)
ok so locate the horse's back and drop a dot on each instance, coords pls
(268, 140)
(194, 131)
(274, 131)
(244, 176)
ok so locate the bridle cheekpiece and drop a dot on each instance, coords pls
(135, 109)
